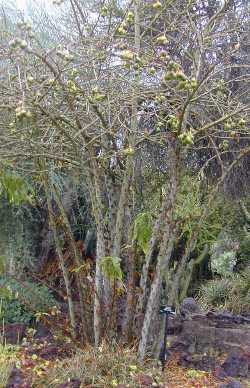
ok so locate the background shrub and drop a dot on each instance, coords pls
(21, 300)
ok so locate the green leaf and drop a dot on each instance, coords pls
(111, 267)
(78, 269)
(143, 230)
(2, 264)
(16, 189)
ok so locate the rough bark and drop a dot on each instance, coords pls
(77, 259)
(61, 260)
(130, 302)
(153, 304)
(187, 275)
(98, 300)
(152, 245)
(162, 264)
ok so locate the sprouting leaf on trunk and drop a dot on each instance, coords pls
(2, 264)
(5, 293)
(83, 267)
(143, 230)
(15, 188)
(111, 267)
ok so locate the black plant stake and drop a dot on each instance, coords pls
(167, 311)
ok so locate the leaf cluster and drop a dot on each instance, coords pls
(111, 267)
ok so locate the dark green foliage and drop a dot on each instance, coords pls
(12, 311)
(244, 252)
(20, 301)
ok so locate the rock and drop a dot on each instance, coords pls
(201, 317)
(207, 363)
(185, 360)
(200, 362)
(247, 355)
(144, 380)
(219, 373)
(189, 306)
(17, 379)
(220, 315)
(192, 348)
(232, 384)
(14, 333)
(236, 365)
(179, 345)
(72, 383)
(226, 319)
(205, 336)
(42, 332)
(51, 351)
(64, 308)
(174, 326)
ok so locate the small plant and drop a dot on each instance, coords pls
(224, 264)
(232, 294)
(193, 373)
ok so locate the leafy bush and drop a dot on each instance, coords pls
(232, 294)
(244, 252)
(191, 203)
(12, 311)
(21, 300)
(224, 264)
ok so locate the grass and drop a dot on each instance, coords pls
(7, 360)
(109, 367)
(232, 294)
(112, 366)
(103, 368)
